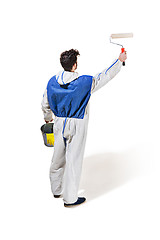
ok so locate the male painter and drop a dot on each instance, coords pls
(67, 99)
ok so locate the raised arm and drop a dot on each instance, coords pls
(102, 78)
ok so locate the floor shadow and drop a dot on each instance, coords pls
(105, 172)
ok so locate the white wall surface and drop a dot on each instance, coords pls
(121, 166)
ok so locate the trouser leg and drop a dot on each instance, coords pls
(74, 158)
(58, 163)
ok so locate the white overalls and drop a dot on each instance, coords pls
(66, 165)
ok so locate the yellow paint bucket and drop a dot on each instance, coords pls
(47, 133)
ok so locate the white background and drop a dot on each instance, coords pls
(121, 166)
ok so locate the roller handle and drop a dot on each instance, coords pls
(122, 50)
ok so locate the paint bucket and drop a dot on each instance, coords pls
(47, 133)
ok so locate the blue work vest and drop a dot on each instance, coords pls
(69, 100)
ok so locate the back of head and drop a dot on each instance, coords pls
(68, 59)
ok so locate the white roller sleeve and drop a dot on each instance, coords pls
(122, 35)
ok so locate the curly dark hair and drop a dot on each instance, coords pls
(68, 59)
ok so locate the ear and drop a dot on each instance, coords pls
(74, 67)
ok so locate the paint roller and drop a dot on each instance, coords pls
(121, 35)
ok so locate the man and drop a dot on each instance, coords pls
(67, 97)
